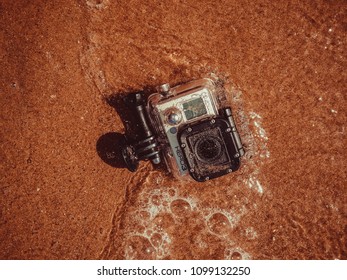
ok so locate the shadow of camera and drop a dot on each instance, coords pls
(108, 148)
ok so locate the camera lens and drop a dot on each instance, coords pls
(208, 149)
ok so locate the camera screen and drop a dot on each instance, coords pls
(194, 108)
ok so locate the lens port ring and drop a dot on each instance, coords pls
(199, 170)
(208, 149)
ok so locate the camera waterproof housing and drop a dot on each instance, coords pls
(188, 127)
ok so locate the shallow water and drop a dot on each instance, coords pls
(66, 65)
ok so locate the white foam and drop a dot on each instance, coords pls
(157, 200)
(98, 4)
(261, 136)
(261, 131)
(251, 233)
(265, 154)
(254, 115)
(232, 217)
(253, 183)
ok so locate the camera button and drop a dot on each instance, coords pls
(174, 118)
(173, 130)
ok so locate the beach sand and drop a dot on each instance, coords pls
(65, 66)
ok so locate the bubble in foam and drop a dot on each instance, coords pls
(164, 221)
(144, 201)
(219, 220)
(139, 247)
(219, 224)
(156, 239)
(144, 215)
(236, 254)
(251, 233)
(172, 192)
(156, 200)
(180, 207)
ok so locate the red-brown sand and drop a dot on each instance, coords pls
(284, 64)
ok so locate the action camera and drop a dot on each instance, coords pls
(189, 129)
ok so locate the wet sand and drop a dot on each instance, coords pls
(64, 193)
